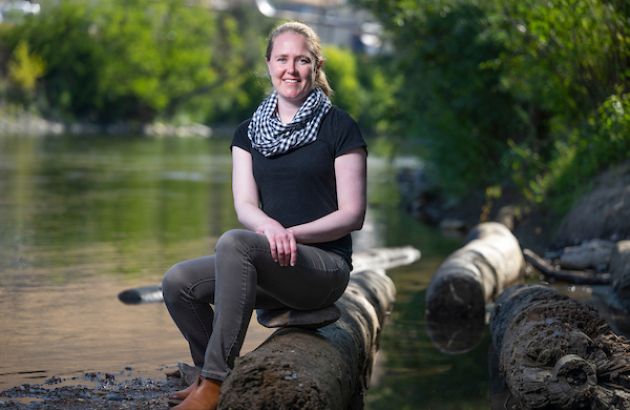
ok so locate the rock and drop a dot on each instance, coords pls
(593, 254)
(604, 212)
(553, 273)
(620, 272)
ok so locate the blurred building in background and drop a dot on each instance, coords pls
(12, 9)
(335, 21)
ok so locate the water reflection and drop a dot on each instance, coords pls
(456, 336)
(80, 220)
(83, 218)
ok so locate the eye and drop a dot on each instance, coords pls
(305, 60)
(281, 59)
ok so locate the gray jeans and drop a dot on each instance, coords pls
(239, 278)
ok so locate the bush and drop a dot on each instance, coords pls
(511, 92)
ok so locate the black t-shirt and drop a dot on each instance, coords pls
(299, 186)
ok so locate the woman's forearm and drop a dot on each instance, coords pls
(253, 218)
(330, 227)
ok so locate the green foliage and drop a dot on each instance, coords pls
(562, 62)
(341, 70)
(381, 108)
(511, 92)
(157, 54)
(60, 36)
(448, 98)
(141, 59)
(25, 68)
(239, 60)
(603, 141)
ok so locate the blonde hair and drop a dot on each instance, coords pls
(312, 42)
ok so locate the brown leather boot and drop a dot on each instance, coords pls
(204, 397)
(177, 397)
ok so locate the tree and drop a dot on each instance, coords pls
(499, 92)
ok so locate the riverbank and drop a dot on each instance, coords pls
(96, 391)
(602, 212)
(28, 124)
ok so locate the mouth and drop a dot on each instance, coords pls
(291, 81)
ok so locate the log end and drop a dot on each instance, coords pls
(555, 352)
(455, 296)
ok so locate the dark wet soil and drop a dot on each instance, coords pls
(93, 391)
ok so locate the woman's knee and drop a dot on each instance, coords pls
(236, 240)
(173, 282)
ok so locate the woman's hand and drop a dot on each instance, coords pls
(281, 242)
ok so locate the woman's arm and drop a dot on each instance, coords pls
(246, 203)
(350, 174)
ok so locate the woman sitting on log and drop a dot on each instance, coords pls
(299, 187)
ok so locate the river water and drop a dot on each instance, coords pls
(83, 218)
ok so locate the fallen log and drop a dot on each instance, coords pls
(467, 280)
(475, 274)
(373, 259)
(555, 352)
(384, 258)
(328, 368)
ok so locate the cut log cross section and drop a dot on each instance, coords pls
(556, 352)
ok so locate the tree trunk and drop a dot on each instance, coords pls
(555, 352)
(328, 368)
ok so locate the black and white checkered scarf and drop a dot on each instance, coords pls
(270, 136)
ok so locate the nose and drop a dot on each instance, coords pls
(292, 67)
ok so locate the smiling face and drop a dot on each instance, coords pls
(292, 67)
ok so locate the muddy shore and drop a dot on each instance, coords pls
(98, 391)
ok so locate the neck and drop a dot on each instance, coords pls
(287, 110)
